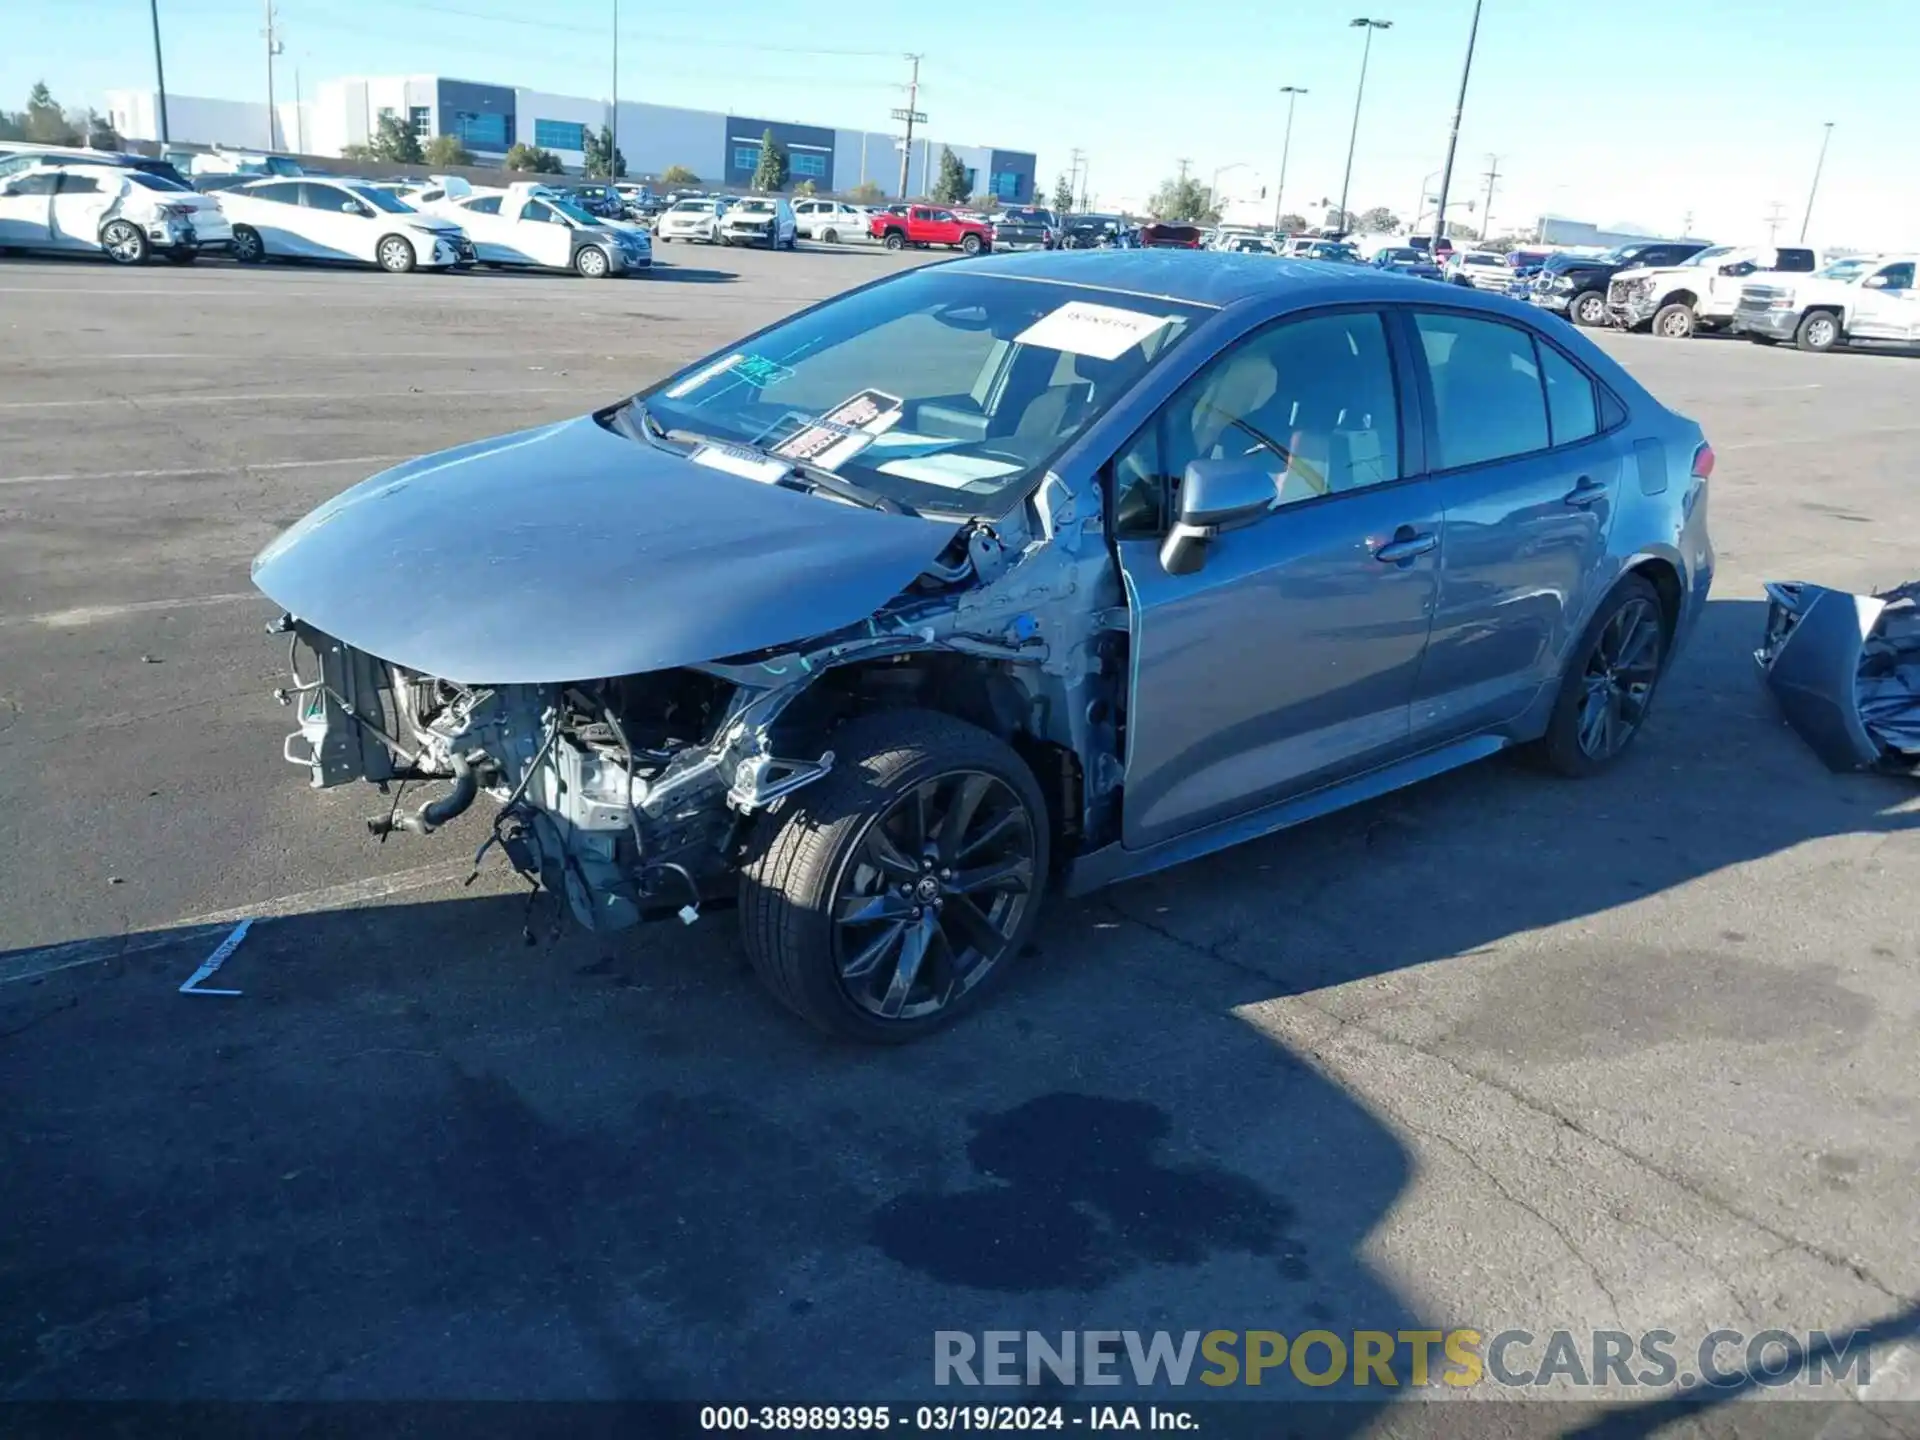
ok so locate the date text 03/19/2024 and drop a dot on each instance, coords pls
(942, 1419)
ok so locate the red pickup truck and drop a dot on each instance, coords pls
(925, 225)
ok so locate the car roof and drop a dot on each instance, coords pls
(1221, 278)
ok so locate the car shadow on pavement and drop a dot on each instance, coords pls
(418, 1156)
(661, 273)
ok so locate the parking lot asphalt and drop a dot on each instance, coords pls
(1499, 1051)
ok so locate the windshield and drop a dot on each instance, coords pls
(755, 207)
(1709, 255)
(694, 207)
(381, 200)
(1846, 271)
(276, 165)
(940, 391)
(1397, 256)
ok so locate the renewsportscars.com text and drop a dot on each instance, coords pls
(1459, 1358)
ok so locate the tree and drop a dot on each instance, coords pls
(771, 172)
(1378, 221)
(806, 187)
(1062, 194)
(46, 123)
(394, 141)
(952, 186)
(1292, 224)
(532, 160)
(597, 149)
(357, 150)
(678, 175)
(1182, 199)
(867, 193)
(99, 131)
(1338, 219)
(447, 150)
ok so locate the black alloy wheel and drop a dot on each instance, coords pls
(1608, 690)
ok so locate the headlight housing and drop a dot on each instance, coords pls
(1563, 282)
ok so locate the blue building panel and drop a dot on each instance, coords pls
(480, 115)
(1011, 177)
(809, 150)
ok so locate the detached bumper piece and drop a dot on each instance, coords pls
(1845, 670)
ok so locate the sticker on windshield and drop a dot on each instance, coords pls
(1102, 332)
(700, 377)
(756, 370)
(738, 460)
(844, 431)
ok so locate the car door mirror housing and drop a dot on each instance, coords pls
(1872, 282)
(1215, 496)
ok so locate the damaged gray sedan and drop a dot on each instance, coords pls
(994, 574)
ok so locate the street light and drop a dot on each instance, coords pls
(1453, 136)
(1814, 188)
(1362, 23)
(159, 70)
(1293, 93)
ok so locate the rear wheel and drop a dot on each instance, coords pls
(895, 240)
(395, 254)
(830, 236)
(1819, 332)
(1589, 308)
(892, 893)
(1608, 689)
(592, 262)
(248, 248)
(123, 243)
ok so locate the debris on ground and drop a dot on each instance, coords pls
(213, 962)
(1845, 669)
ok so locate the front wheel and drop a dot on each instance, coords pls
(971, 245)
(591, 262)
(1589, 308)
(395, 255)
(1819, 332)
(1608, 689)
(891, 894)
(1674, 322)
(895, 240)
(123, 243)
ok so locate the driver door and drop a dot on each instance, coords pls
(336, 223)
(80, 208)
(1289, 660)
(1888, 307)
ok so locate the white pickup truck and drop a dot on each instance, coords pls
(1676, 300)
(1861, 298)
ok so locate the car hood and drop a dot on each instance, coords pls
(438, 225)
(572, 553)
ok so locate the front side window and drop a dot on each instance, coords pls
(539, 210)
(1489, 402)
(283, 193)
(485, 205)
(1312, 400)
(330, 198)
(1897, 277)
(382, 200)
(71, 184)
(962, 387)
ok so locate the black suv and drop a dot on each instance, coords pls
(1576, 285)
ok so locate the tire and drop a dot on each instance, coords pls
(247, 247)
(123, 243)
(394, 254)
(1588, 308)
(1819, 332)
(1674, 322)
(1600, 678)
(851, 837)
(829, 236)
(970, 244)
(590, 262)
(895, 240)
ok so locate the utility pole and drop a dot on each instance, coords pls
(159, 69)
(913, 98)
(1806, 217)
(273, 49)
(1686, 226)
(1184, 166)
(1293, 93)
(1360, 90)
(1075, 162)
(1486, 209)
(1775, 214)
(613, 130)
(1453, 136)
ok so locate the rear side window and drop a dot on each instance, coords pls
(285, 194)
(36, 184)
(1571, 410)
(1796, 260)
(1488, 399)
(71, 184)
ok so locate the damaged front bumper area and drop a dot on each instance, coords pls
(1845, 670)
(626, 795)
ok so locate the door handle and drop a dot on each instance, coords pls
(1407, 544)
(1586, 492)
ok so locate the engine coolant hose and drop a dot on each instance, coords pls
(435, 813)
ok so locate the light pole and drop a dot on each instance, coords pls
(1453, 136)
(1293, 93)
(1362, 23)
(1812, 189)
(1420, 201)
(159, 69)
(613, 130)
(1213, 185)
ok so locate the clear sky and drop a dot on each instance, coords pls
(1641, 111)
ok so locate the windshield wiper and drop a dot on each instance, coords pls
(836, 484)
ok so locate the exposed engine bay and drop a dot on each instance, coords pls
(634, 795)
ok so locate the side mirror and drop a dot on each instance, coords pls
(1872, 282)
(1215, 496)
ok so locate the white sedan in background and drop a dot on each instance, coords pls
(316, 219)
(526, 224)
(125, 214)
(830, 221)
(692, 220)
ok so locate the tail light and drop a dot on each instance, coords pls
(1703, 461)
(178, 212)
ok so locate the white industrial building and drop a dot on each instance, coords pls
(490, 119)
